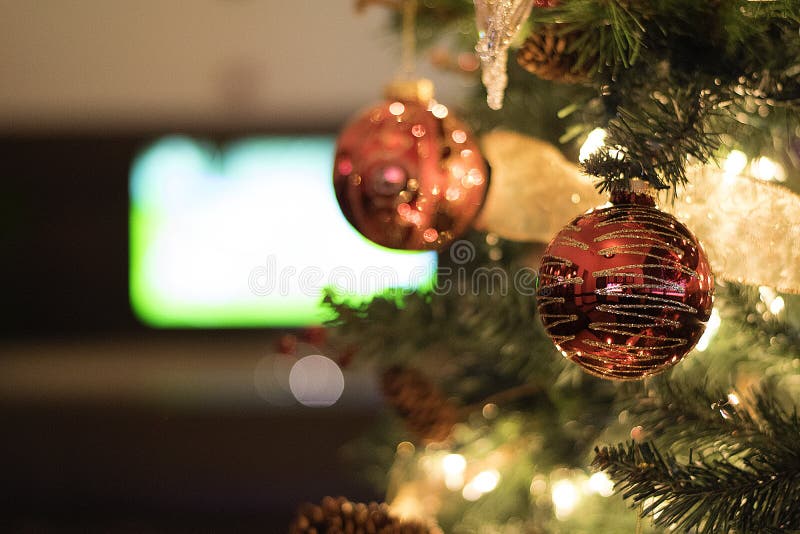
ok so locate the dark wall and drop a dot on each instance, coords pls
(64, 234)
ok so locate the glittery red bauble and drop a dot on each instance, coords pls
(625, 291)
(409, 175)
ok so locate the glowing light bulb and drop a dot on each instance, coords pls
(454, 464)
(777, 305)
(565, 498)
(594, 141)
(735, 162)
(767, 294)
(600, 483)
(471, 493)
(711, 330)
(486, 481)
(764, 168)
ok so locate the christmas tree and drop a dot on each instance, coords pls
(491, 426)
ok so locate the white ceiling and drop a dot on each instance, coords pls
(129, 64)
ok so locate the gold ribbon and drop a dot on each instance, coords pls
(750, 229)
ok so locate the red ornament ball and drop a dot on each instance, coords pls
(408, 174)
(625, 291)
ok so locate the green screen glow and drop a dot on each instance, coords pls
(249, 236)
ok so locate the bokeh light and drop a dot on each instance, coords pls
(316, 381)
(565, 498)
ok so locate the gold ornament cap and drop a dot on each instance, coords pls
(641, 187)
(420, 90)
(639, 192)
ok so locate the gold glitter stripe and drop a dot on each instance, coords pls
(667, 304)
(611, 308)
(571, 242)
(674, 267)
(654, 235)
(638, 249)
(558, 261)
(564, 319)
(559, 281)
(663, 284)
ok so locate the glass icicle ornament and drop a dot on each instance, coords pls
(408, 174)
(625, 291)
(498, 22)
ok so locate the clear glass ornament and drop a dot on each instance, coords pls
(498, 22)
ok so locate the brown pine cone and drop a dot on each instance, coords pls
(425, 410)
(548, 54)
(340, 516)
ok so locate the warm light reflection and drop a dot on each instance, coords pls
(396, 108)
(711, 330)
(439, 111)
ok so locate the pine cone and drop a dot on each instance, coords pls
(423, 407)
(548, 54)
(340, 516)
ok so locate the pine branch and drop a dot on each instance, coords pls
(674, 74)
(691, 416)
(751, 481)
(612, 33)
(710, 496)
(655, 140)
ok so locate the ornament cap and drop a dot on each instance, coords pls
(420, 90)
(639, 192)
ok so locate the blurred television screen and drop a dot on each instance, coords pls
(249, 234)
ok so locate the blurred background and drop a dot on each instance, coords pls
(143, 386)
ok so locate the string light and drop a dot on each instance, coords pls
(454, 466)
(594, 141)
(484, 482)
(766, 169)
(565, 497)
(777, 306)
(735, 163)
(774, 302)
(600, 483)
